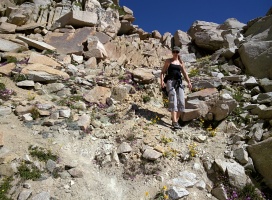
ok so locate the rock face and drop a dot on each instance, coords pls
(69, 41)
(256, 51)
(261, 156)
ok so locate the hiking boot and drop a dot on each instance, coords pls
(176, 125)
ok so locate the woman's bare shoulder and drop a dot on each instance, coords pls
(168, 60)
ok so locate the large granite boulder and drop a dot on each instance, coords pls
(78, 19)
(256, 53)
(206, 35)
(257, 58)
(261, 154)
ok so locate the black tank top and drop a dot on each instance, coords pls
(174, 71)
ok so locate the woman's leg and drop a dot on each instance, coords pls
(180, 103)
(174, 116)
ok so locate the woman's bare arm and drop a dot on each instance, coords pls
(183, 71)
(164, 70)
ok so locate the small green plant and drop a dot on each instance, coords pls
(204, 60)
(11, 59)
(5, 186)
(48, 52)
(238, 95)
(118, 8)
(192, 149)
(78, 4)
(5, 94)
(212, 131)
(155, 120)
(69, 101)
(170, 153)
(146, 99)
(34, 113)
(42, 154)
(166, 140)
(162, 194)
(2, 86)
(193, 72)
(165, 102)
(29, 171)
(19, 77)
(131, 137)
(30, 96)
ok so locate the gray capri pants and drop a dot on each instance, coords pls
(175, 96)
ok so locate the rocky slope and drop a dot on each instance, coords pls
(83, 116)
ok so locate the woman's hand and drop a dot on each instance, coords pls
(190, 86)
(162, 84)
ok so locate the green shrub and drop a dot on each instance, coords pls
(5, 186)
(29, 171)
(146, 99)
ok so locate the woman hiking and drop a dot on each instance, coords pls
(171, 78)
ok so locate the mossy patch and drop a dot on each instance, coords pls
(42, 154)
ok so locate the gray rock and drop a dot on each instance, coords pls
(75, 173)
(7, 46)
(201, 185)
(84, 121)
(95, 48)
(265, 113)
(200, 138)
(261, 156)
(37, 44)
(241, 155)
(51, 165)
(25, 194)
(6, 170)
(255, 57)
(181, 38)
(5, 111)
(177, 192)
(27, 117)
(220, 193)
(42, 196)
(143, 75)
(235, 172)
(186, 179)
(78, 18)
(66, 113)
(64, 175)
(78, 59)
(80, 105)
(119, 93)
(251, 82)
(124, 148)
(54, 87)
(26, 83)
(151, 154)
(266, 84)
(235, 78)
(264, 98)
(250, 165)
